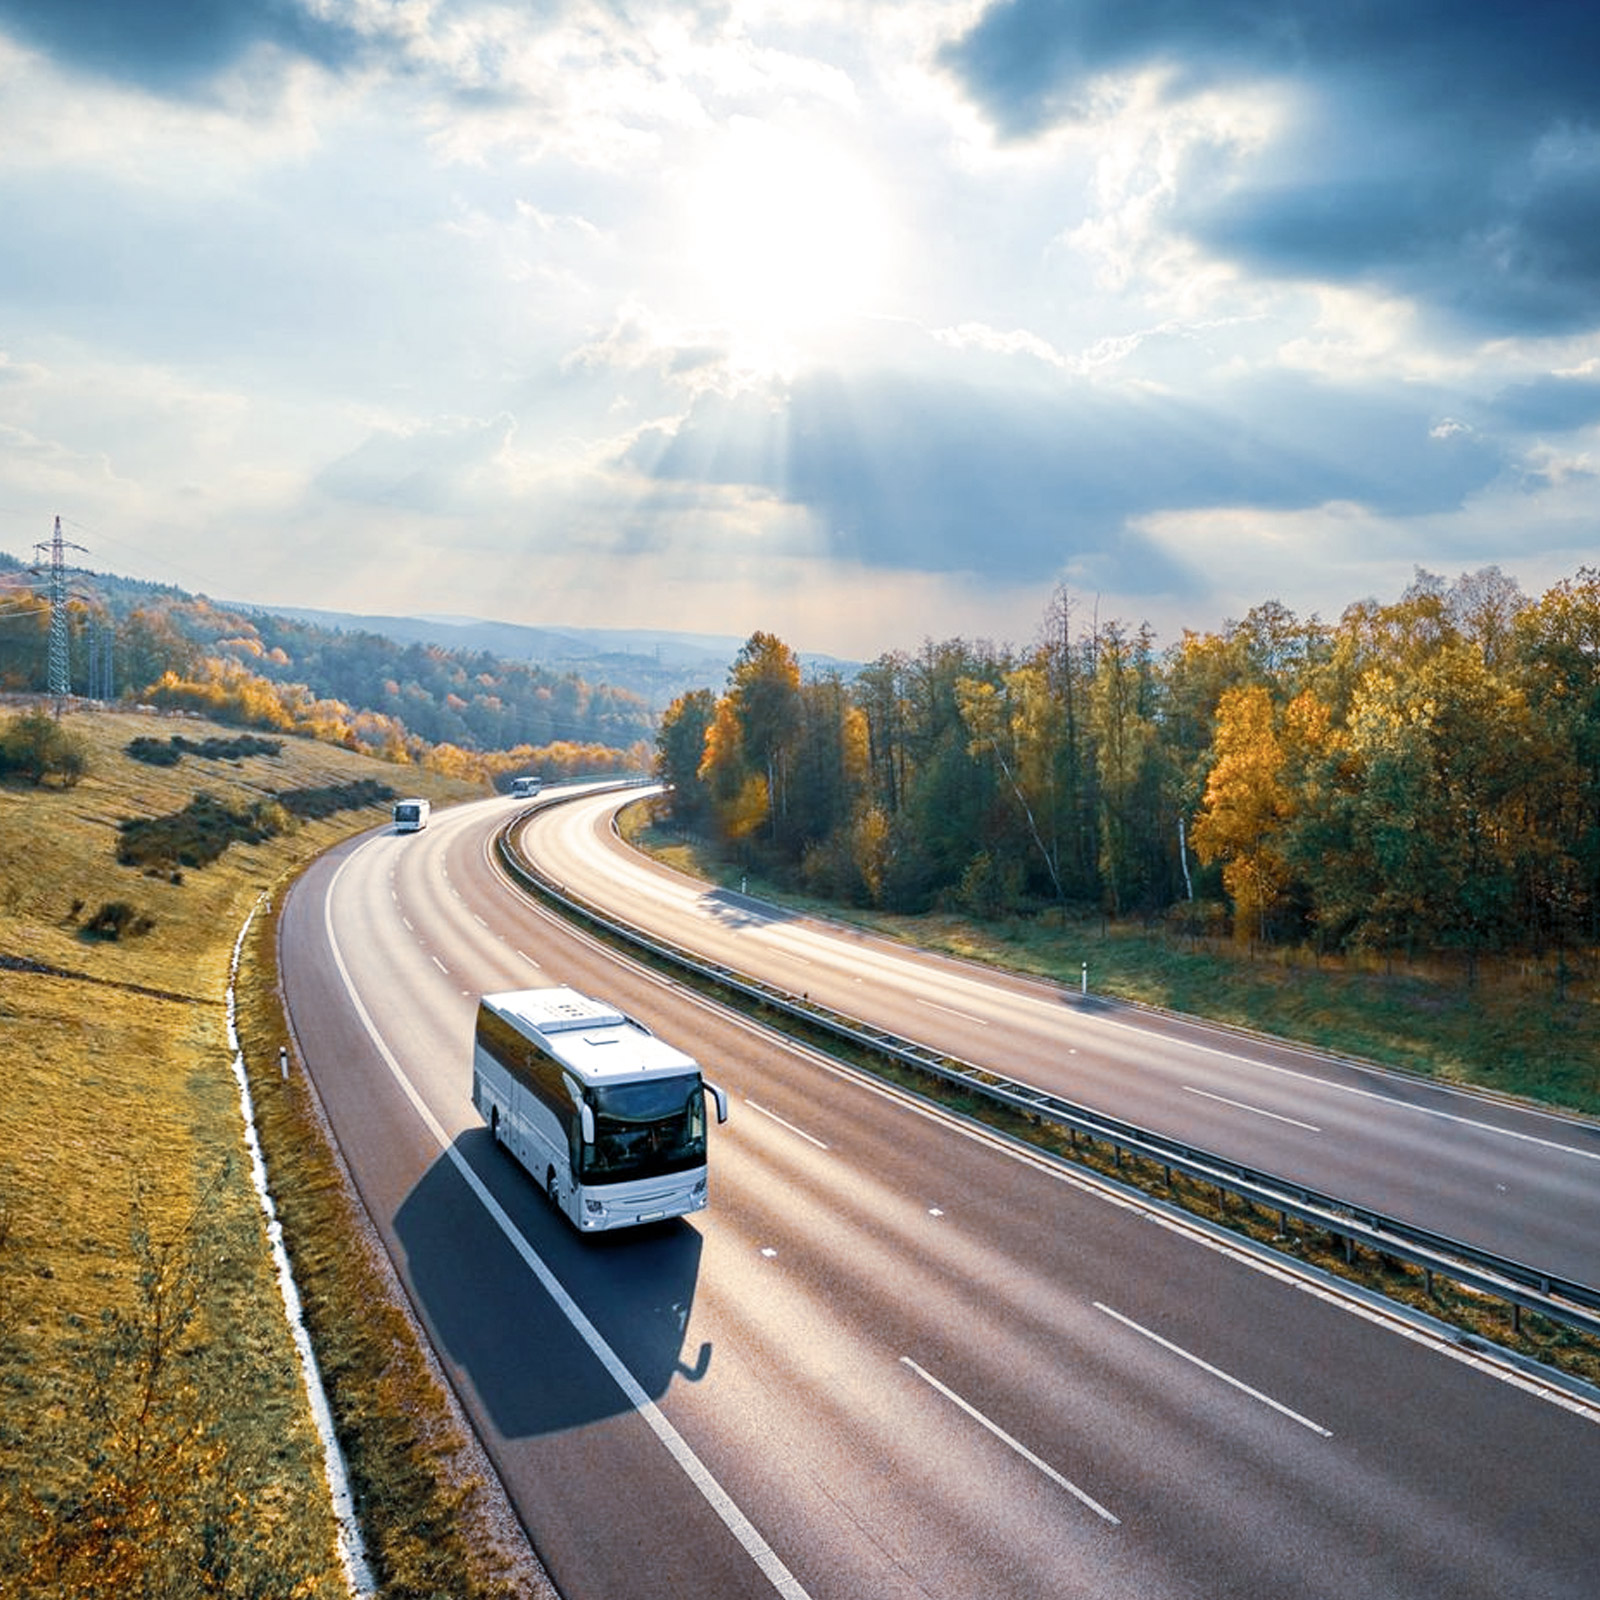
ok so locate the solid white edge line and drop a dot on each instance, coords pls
(1256, 1111)
(359, 1579)
(740, 1526)
(1215, 1372)
(1014, 1444)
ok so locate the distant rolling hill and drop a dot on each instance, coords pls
(655, 664)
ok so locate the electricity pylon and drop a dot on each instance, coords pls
(60, 670)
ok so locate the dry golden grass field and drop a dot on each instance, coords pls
(154, 1433)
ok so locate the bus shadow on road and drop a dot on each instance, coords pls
(505, 1338)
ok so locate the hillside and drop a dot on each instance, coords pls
(154, 1433)
(127, 636)
(657, 664)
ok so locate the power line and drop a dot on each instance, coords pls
(196, 580)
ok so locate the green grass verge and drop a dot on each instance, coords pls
(1515, 1029)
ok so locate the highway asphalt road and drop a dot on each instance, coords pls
(1518, 1182)
(895, 1358)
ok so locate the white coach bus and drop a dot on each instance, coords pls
(410, 816)
(609, 1118)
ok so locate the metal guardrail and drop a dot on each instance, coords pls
(1524, 1288)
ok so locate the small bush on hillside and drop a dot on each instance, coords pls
(115, 918)
(235, 749)
(35, 746)
(273, 817)
(198, 835)
(155, 752)
(169, 752)
(193, 837)
(314, 804)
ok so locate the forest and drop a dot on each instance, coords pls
(1419, 776)
(405, 702)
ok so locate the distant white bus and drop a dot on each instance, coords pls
(608, 1118)
(410, 816)
(525, 788)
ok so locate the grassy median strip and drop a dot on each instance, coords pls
(154, 1435)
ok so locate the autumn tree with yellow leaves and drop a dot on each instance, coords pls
(1423, 775)
(1247, 806)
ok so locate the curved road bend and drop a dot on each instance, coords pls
(1516, 1181)
(895, 1359)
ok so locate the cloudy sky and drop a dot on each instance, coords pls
(858, 322)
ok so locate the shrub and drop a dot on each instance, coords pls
(155, 752)
(829, 869)
(35, 746)
(169, 752)
(990, 888)
(193, 837)
(313, 804)
(197, 835)
(115, 918)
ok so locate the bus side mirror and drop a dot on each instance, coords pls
(586, 1117)
(721, 1100)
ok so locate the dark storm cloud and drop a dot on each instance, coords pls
(1445, 150)
(1548, 405)
(906, 474)
(173, 47)
(1027, 62)
(910, 477)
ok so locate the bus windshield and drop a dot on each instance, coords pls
(641, 1129)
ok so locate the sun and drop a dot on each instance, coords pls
(786, 238)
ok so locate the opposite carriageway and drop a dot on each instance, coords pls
(1522, 1285)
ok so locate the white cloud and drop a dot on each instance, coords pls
(1017, 342)
(464, 288)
